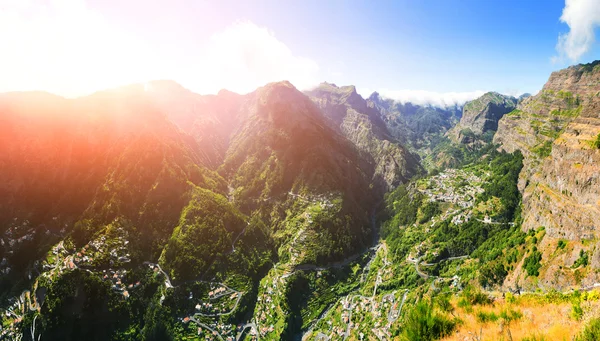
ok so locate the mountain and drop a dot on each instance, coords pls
(556, 131)
(362, 124)
(285, 149)
(209, 119)
(523, 96)
(74, 166)
(205, 188)
(480, 117)
(149, 212)
(420, 128)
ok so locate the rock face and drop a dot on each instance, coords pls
(285, 148)
(481, 116)
(362, 124)
(416, 126)
(560, 181)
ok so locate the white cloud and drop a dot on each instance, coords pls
(582, 17)
(421, 97)
(245, 56)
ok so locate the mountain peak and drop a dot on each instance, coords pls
(227, 93)
(280, 84)
(330, 87)
(375, 96)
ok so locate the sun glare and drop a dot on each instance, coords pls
(68, 49)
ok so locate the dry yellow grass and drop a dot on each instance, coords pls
(547, 321)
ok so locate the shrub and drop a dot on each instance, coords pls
(543, 150)
(596, 142)
(429, 210)
(510, 315)
(492, 273)
(582, 260)
(465, 304)
(532, 262)
(561, 244)
(422, 323)
(475, 296)
(591, 332)
(443, 302)
(592, 295)
(576, 311)
(483, 317)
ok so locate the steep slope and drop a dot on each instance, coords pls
(362, 125)
(419, 127)
(286, 152)
(209, 119)
(91, 161)
(113, 226)
(109, 177)
(555, 130)
(481, 116)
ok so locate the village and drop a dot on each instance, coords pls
(355, 314)
(61, 259)
(351, 316)
(18, 236)
(220, 301)
(454, 186)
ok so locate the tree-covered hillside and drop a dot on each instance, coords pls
(115, 210)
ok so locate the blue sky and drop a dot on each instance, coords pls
(418, 48)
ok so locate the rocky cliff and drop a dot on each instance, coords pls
(555, 130)
(481, 116)
(362, 124)
(419, 127)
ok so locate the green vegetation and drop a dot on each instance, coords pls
(509, 315)
(475, 296)
(80, 306)
(447, 154)
(570, 113)
(568, 97)
(596, 143)
(543, 150)
(515, 113)
(489, 97)
(532, 262)
(429, 210)
(285, 223)
(424, 323)
(467, 132)
(576, 311)
(591, 332)
(582, 260)
(206, 230)
(590, 67)
(485, 317)
(496, 246)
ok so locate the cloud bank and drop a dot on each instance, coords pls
(421, 97)
(582, 17)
